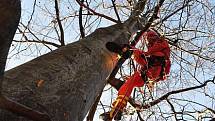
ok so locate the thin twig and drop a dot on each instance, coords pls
(174, 12)
(150, 104)
(80, 21)
(42, 42)
(34, 6)
(95, 13)
(192, 53)
(61, 39)
(173, 109)
(115, 10)
(39, 41)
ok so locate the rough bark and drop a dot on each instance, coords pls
(70, 77)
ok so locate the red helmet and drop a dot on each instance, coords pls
(152, 35)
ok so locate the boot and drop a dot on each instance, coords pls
(118, 116)
(105, 116)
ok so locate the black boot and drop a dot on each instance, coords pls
(105, 116)
(118, 116)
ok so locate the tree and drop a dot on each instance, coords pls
(65, 82)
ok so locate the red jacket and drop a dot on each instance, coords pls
(158, 48)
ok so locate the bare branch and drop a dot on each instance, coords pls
(192, 53)
(41, 42)
(80, 21)
(150, 104)
(38, 39)
(174, 12)
(115, 10)
(61, 39)
(95, 13)
(93, 108)
(173, 109)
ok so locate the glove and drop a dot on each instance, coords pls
(126, 52)
(150, 84)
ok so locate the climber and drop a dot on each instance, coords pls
(154, 65)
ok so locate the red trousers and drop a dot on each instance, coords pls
(134, 81)
(137, 81)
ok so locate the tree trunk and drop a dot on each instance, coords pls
(64, 83)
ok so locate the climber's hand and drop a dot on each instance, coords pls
(126, 51)
(150, 84)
